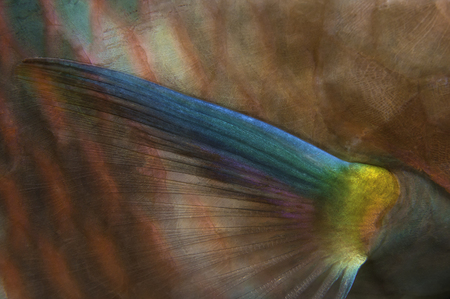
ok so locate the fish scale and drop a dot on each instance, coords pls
(365, 81)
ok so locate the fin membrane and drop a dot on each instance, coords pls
(230, 206)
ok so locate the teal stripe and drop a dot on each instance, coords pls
(76, 17)
(27, 22)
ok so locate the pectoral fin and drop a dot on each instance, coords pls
(233, 207)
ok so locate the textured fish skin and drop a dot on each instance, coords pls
(366, 80)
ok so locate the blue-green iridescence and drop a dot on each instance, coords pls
(350, 196)
(28, 23)
(348, 199)
(299, 164)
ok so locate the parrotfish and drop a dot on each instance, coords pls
(299, 149)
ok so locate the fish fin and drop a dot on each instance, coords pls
(231, 207)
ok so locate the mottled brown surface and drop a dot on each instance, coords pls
(364, 80)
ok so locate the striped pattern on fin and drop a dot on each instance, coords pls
(231, 206)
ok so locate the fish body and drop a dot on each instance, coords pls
(365, 81)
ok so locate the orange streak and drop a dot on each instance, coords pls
(139, 57)
(107, 187)
(8, 127)
(51, 23)
(12, 280)
(57, 270)
(58, 195)
(54, 27)
(96, 11)
(190, 53)
(103, 247)
(17, 215)
(47, 98)
(106, 254)
(156, 257)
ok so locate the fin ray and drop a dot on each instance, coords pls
(237, 207)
